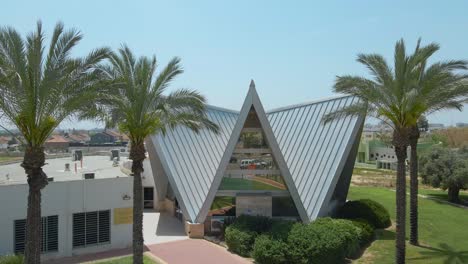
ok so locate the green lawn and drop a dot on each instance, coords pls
(244, 184)
(442, 195)
(8, 158)
(126, 260)
(222, 201)
(443, 231)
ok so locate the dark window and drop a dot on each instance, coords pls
(148, 197)
(91, 228)
(49, 234)
(284, 206)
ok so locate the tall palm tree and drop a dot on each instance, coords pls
(443, 85)
(388, 97)
(138, 108)
(38, 91)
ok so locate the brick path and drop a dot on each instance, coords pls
(194, 251)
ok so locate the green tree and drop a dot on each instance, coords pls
(388, 96)
(446, 169)
(38, 91)
(138, 108)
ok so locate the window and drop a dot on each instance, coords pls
(91, 228)
(148, 197)
(49, 233)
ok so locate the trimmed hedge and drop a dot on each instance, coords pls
(239, 240)
(240, 235)
(366, 231)
(268, 250)
(325, 240)
(366, 209)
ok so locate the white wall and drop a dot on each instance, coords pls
(64, 199)
(147, 177)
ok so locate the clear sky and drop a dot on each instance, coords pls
(292, 49)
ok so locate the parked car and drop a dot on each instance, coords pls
(245, 163)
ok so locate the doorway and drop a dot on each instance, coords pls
(148, 197)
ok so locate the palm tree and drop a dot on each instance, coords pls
(388, 96)
(37, 92)
(138, 108)
(443, 85)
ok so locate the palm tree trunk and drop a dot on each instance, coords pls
(400, 142)
(137, 154)
(33, 161)
(413, 138)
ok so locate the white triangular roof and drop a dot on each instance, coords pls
(311, 155)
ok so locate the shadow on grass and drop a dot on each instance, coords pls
(384, 234)
(445, 253)
(442, 198)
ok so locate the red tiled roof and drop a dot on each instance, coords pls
(57, 139)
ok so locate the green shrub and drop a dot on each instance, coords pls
(257, 224)
(367, 209)
(239, 240)
(268, 250)
(323, 241)
(13, 259)
(280, 229)
(366, 231)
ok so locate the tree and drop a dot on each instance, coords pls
(37, 92)
(136, 105)
(443, 85)
(388, 96)
(446, 169)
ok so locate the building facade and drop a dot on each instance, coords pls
(285, 163)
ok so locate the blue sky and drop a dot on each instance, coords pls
(292, 49)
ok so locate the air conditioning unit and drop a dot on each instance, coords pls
(88, 176)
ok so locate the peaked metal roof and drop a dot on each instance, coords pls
(310, 154)
(190, 160)
(252, 100)
(315, 152)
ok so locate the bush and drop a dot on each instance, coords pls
(280, 229)
(239, 240)
(366, 209)
(257, 224)
(366, 231)
(268, 250)
(13, 259)
(323, 241)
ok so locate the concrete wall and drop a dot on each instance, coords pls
(64, 199)
(147, 178)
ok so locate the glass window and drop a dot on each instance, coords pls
(284, 206)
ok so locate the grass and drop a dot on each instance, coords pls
(244, 184)
(443, 230)
(125, 260)
(443, 195)
(222, 201)
(8, 158)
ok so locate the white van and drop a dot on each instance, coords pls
(245, 163)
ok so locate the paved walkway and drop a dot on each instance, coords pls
(194, 251)
(161, 228)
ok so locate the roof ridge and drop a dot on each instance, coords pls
(222, 109)
(317, 101)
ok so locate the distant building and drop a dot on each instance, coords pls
(108, 136)
(461, 124)
(4, 142)
(435, 126)
(57, 143)
(81, 138)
